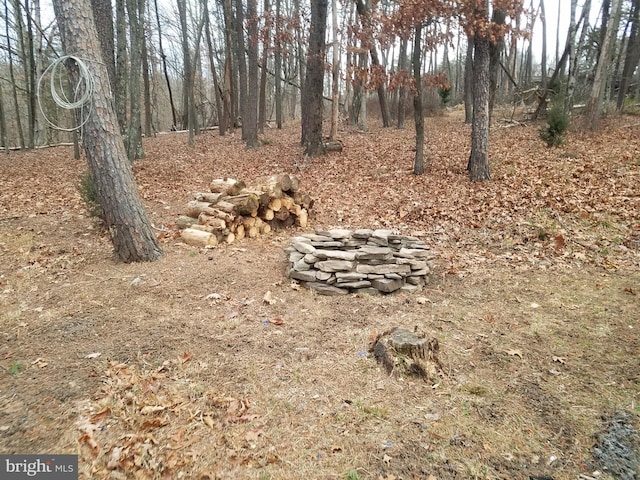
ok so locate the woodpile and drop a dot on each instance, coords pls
(338, 261)
(232, 210)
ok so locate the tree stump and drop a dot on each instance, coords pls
(401, 351)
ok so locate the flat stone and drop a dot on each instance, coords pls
(420, 273)
(331, 280)
(303, 247)
(310, 258)
(360, 284)
(335, 233)
(381, 241)
(395, 276)
(370, 252)
(373, 276)
(335, 254)
(383, 269)
(329, 244)
(301, 266)
(387, 285)
(295, 256)
(324, 289)
(362, 233)
(414, 264)
(353, 242)
(403, 238)
(300, 238)
(323, 276)
(308, 276)
(336, 265)
(382, 233)
(412, 253)
(350, 276)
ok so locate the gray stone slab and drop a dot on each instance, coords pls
(350, 276)
(311, 258)
(369, 291)
(331, 244)
(414, 264)
(387, 285)
(301, 266)
(360, 284)
(335, 254)
(415, 280)
(324, 289)
(383, 269)
(303, 247)
(373, 276)
(371, 252)
(420, 273)
(317, 238)
(408, 288)
(335, 265)
(308, 276)
(323, 276)
(394, 276)
(412, 253)
(295, 256)
(335, 233)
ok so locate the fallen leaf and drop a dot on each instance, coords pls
(253, 435)
(268, 298)
(89, 440)
(208, 421)
(276, 321)
(93, 355)
(187, 356)
(559, 242)
(105, 412)
(514, 352)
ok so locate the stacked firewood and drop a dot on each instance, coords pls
(233, 210)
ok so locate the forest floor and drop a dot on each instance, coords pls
(180, 369)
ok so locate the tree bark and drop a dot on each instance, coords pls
(130, 230)
(278, 65)
(335, 71)
(495, 51)
(103, 15)
(418, 161)
(632, 56)
(468, 82)
(242, 65)
(543, 60)
(188, 101)
(12, 77)
(262, 102)
(136, 34)
(479, 158)
(402, 95)
(174, 118)
(594, 106)
(120, 94)
(250, 118)
(222, 118)
(314, 83)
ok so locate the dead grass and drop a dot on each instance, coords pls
(539, 338)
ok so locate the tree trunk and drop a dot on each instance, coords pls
(335, 72)
(188, 101)
(594, 106)
(571, 40)
(120, 94)
(242, 65)
(632, 56)
(402, 95)
(103, 15)
(297, 14)
(28, 64)
(3, 125)
(131, 232)
(134, 130)
(418, 161)
(146, 81)
(222, 118)
(479, 158)
(250, 118)
(468, 82)
(174, 118)
(278, 65)
(543, 60)
(314, 83)
(12, 77)
(262, 103)
(230, 90)
(495, 51)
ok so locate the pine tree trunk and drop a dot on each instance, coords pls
(479, 158)
(468, 82)
(418, 161)
(495, 51)
(103, 15)
(402, 96)
(120, 94)
(134, 130)
(131, 233)
(335, 71)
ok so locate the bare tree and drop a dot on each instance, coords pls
(136, 36)
(124, 215)
(418, 114)
(174, 124)
(250, 118)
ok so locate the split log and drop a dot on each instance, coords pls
(209, 197)
(230, 238)
(195, 208)
(249, 222)
(287, 202)
(216, 223)
(295, 209)
(198, 238)
(245, 204)
(266, 214)
(229, 186)
(333, 145)
(263, 197)
(240, 232)
(303, 199)
(275, 204)
(252, 232)
(225, 206)
(265, 228)
(184, 221)
(203, 228)
(282, 214)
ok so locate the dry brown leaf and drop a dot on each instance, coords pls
(276, 321)
(514, 352)
(186, 357)
(253, 435)
(105, 412)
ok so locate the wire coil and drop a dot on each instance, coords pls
(83, 92)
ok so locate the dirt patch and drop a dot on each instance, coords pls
(179, 369)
